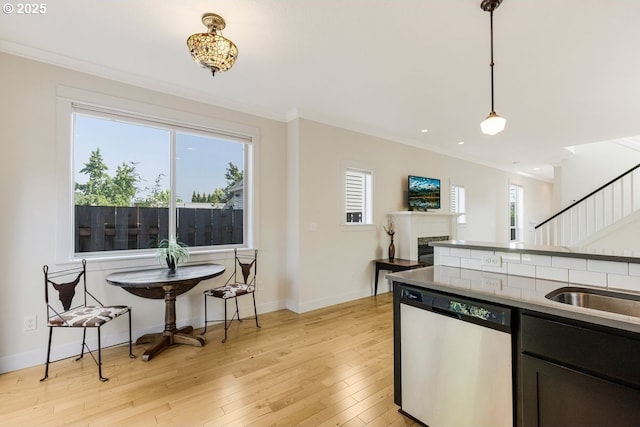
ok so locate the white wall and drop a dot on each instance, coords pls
(300, 181)
(620, 238)
(334, 260)
(591, 166)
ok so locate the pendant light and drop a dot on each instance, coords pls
(493, 124)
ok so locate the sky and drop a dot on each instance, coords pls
(201, 161)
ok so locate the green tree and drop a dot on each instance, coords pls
(123, 186)
(103, 190)
(233, 175)
(95, 190)
(158, 197)
(218, 196)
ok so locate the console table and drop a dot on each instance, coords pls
(394, 265)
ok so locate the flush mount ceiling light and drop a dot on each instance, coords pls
(493, 124)
(211, 49)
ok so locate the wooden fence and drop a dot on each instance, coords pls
(108, 228)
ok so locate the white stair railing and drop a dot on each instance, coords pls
(598, 210)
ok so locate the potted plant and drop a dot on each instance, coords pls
(172, 252)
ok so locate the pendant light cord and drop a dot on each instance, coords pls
(491, 64)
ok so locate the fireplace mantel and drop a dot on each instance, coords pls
(410, 225)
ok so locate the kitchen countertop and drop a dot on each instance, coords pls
(619, 255)
(515, 291)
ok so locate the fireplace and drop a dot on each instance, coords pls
(415, 229)
(425, 252)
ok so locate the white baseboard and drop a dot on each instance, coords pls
(38, 356)
(336, 299)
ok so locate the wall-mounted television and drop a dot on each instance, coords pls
(424, 193)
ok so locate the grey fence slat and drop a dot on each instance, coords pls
(223, 221)
(120, 241)
(101, 239)
(238, 228)
(83, 228)
(148, 236)
(163, 224)
(216, 231)
(202, 227)
(186, 226)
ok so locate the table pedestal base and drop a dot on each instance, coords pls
(162, 340)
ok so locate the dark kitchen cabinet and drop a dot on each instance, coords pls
(575, 374)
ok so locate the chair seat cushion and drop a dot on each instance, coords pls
(88, 316)
(231, 290)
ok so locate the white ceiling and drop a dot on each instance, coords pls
(567, 72)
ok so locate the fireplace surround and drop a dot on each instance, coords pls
(414, 230)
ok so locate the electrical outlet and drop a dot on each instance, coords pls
(489, 282)
(30, 323)
(492, 261)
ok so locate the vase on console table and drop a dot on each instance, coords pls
(390, 229)
(392, 248)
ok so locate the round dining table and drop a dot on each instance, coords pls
(161, 283)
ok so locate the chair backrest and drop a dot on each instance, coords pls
(70, 286)
(247, 263)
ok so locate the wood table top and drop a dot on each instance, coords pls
(158, 277)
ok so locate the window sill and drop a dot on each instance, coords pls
(121, 260)
(358, 227)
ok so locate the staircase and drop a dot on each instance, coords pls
(576, 224)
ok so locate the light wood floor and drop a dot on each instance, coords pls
(328, 367)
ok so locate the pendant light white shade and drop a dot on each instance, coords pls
(493, 124)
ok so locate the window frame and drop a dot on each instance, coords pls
(367, 214)
(461, 219)
(71, 99)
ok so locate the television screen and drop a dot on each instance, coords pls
(424, 193)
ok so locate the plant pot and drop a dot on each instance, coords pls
(171, 263)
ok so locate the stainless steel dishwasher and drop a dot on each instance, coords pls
(455, 360)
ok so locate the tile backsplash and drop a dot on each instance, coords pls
(611, 274)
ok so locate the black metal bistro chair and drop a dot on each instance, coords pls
(73, 311)
(241, 282)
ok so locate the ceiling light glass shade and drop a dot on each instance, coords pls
(493, 124)
(212, 51)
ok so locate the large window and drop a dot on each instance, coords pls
(137, 181)
(358, 197)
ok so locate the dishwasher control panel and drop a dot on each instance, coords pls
(480, 312)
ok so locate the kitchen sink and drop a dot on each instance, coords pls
(598, 299)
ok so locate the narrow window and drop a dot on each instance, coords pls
(358, 195)
(458, 203)
(516, 215)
